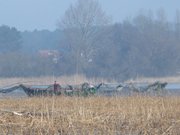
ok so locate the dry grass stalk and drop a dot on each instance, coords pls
(92, 115)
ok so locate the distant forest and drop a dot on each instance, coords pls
(143, 46)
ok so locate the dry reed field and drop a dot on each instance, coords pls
(136, 115)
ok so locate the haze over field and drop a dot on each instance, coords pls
(44, 14)
(90, 67)
(117, 39)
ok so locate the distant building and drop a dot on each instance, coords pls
(54, 54)
(49, 53)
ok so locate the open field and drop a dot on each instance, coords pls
(136, 115)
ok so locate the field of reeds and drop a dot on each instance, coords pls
(136, 115)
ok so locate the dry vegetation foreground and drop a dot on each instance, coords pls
(94, 115)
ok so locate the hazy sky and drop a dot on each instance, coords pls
(44, 14)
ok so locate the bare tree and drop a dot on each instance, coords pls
(177, 24)
(83, 24)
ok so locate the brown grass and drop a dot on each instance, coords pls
(135, 115)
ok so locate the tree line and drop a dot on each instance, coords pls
(146, 45)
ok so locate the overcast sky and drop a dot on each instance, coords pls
(44, 14)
